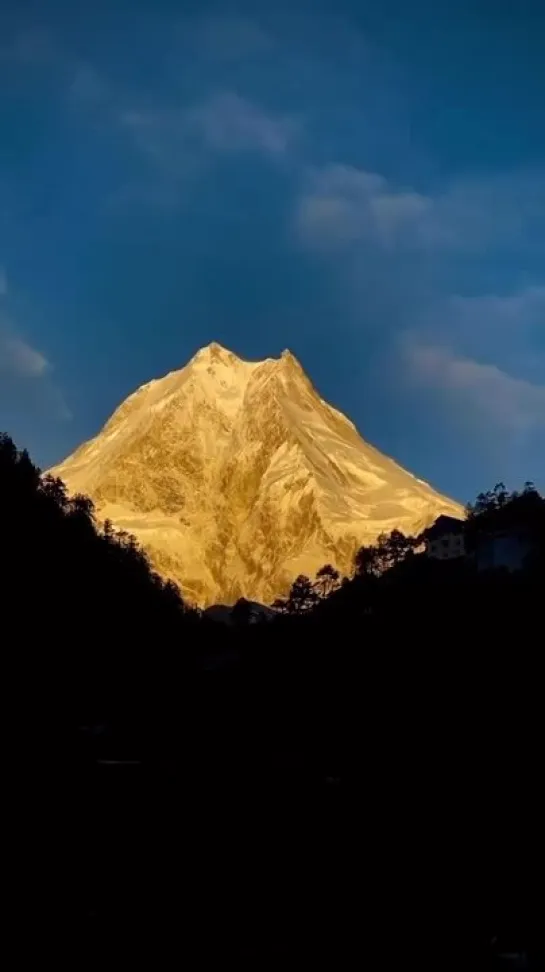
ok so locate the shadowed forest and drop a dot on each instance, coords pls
(360, 777)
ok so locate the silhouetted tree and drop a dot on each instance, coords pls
(302, 597)
(388, 551)
(327, 580)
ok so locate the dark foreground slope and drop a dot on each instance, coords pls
(362, 781)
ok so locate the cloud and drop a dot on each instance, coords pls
(342, 206)
(177, 141)
(180, 143)
(225, 123)
(506, 327)
(162, 138)
(500, 315)
(502, 211)
(229, 123)
(88, 88)
(478, 391)
(27, 388)
(18, 359)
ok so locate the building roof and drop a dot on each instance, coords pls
(444, 525)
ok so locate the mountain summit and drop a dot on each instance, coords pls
(236, 476)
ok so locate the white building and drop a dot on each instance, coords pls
(445, 539)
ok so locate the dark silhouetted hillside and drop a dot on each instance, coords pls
(360, 775)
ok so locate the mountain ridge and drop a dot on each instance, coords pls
(236, 476)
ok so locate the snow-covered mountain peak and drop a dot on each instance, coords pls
(236, 476)
(215, 352)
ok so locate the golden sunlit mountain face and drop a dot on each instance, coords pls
(235, 476)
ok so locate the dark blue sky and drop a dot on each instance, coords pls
(363, 183)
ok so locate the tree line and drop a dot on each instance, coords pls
(495, 511)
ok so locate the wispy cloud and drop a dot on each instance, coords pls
(88, 88)
(508, 326)
(343, 206)
(505, 313)
(161, 137)
(478, 391)
(225, 122)
(26, 382)
(18, 359)
(229, 122)
(178, 138)
(179, 144)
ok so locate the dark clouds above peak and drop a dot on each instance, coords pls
(362, 183)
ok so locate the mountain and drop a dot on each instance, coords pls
(236, 476)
